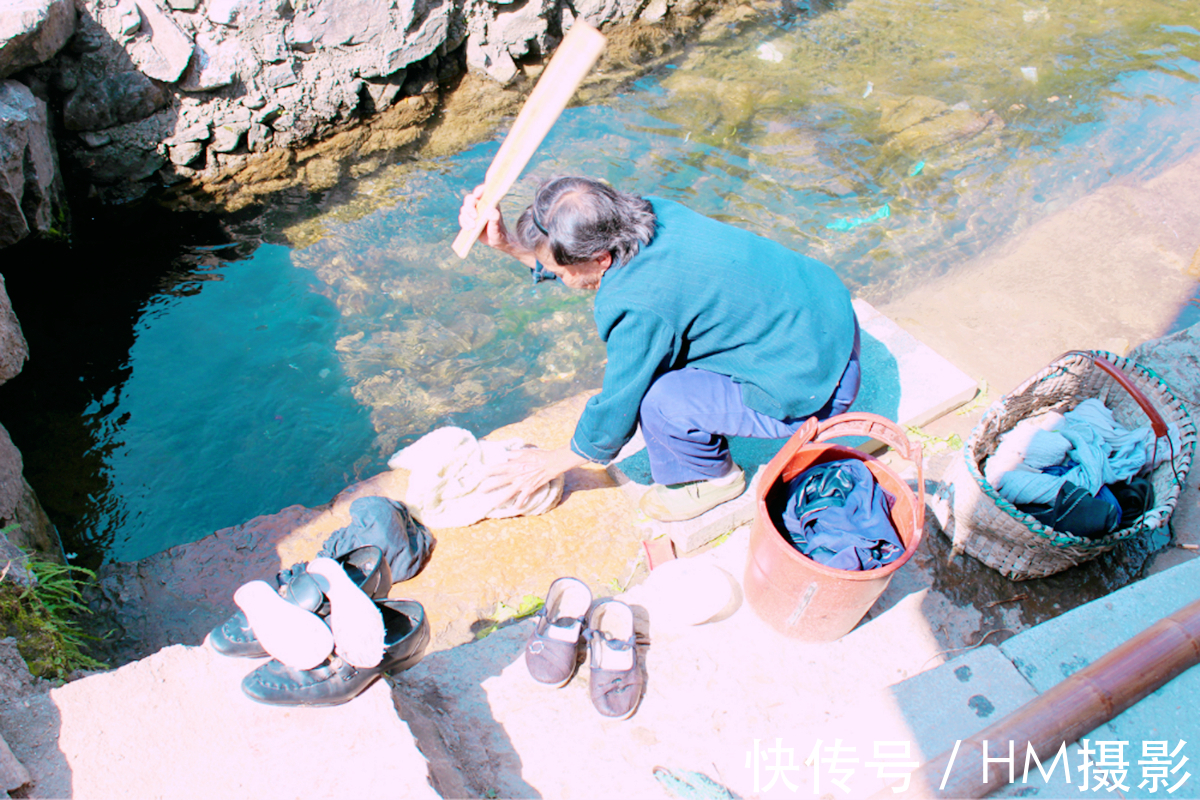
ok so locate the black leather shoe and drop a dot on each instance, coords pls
(336, 681)
(365, 565)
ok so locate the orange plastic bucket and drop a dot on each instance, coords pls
(795, 595)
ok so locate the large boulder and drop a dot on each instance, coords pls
(32, 31)
(153, 40)
(14, 350)
(119, 161)
(217, 62)
(373, 38)
(11, 480)
(1176, 360)
(28, 170)
(112, 100)
(24, 521)
(139, 78)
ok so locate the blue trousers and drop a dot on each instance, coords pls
(687, 413)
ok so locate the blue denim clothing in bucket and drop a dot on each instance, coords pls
(687, 414)
(837, 515)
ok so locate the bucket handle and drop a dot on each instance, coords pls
(1156, 420)
(858, 423)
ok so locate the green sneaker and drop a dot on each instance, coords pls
(687, 500)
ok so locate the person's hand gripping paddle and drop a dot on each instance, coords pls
(566, 70)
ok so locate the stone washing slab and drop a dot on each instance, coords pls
(176, 724)
(903, 380)
(909, 383)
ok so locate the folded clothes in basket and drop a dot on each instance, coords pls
(837, 515)
(987, 526)
(1093, 516)
(1078, 512)
(1103, 453)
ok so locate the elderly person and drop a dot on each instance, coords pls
(711, 332)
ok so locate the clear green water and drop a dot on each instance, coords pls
(279, 376)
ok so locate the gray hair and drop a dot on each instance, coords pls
(577, 218)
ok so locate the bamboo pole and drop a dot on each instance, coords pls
(1081, 703)
(566, 70)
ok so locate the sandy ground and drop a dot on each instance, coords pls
(1114, 269)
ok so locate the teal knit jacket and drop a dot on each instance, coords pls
(708, 295)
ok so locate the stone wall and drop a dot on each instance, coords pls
(144, 93)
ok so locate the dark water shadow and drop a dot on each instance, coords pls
(78, 303)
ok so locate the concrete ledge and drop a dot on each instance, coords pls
(927, 385)
(964, 696)
(1055, 650)
(960, 697)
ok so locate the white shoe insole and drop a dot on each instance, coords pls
(572, 604)
(354, 618)
(292, 635)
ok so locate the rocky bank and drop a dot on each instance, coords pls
(217, 103)
(216, 96)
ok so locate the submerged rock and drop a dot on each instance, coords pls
(717, 107)
(419, 344)
(918, 124)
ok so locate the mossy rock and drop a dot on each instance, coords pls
(40, 617)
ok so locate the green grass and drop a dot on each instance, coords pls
(506, 614)
(44, 619)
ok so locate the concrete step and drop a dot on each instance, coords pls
(978, 688)
(176, 724)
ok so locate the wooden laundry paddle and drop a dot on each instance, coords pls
(566, 70)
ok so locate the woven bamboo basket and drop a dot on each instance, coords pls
(991, 529)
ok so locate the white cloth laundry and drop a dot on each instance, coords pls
(1013, 449)
(446, 468)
